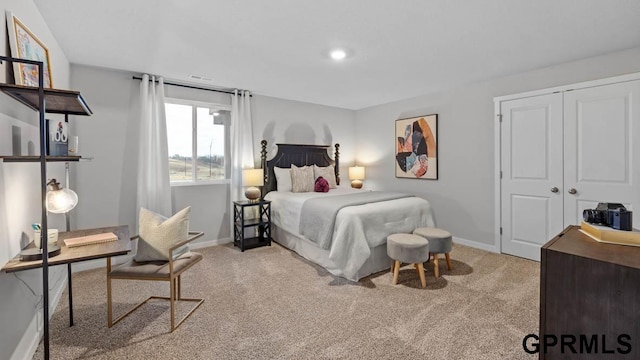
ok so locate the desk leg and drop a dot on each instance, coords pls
(70, 295)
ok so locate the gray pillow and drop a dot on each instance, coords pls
(158, 234)
(326, 172)
(302, 179)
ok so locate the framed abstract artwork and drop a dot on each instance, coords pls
(25, 45)
(417, 147)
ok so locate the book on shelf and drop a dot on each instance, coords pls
(90, 239)
(605, 234)
(57, 137)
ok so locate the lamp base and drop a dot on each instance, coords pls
(252, 193)
(356, 184)
(33, 254)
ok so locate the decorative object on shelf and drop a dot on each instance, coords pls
(60, 200)
(356, 175)
(417, 147)
(90, 239)
(25, 45)
(17, 138)
(73, 146)
(35, 253)
(252, 178)
(57, 137)
(52, 237)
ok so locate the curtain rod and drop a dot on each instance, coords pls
(193, 87)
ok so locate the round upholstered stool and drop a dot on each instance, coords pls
(408, 248)
(439, 243)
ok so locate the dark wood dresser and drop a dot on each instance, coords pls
(589, 288)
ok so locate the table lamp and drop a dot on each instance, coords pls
(252, 178)
(356, 175)
(58, 201)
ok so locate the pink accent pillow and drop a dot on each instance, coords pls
(322, 185)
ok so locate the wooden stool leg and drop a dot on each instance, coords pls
(423, 281)
(448, 261)
(436, 270)
(396, 271)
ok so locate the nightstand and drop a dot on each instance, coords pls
(251, 216)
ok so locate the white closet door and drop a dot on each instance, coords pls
(601, 159)
(531, 197)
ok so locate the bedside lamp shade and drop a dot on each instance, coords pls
(356, 175)
(60, 200)
(252, 178)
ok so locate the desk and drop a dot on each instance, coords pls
(80, 253)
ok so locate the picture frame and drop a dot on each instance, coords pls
(25, 45)
(417, 147)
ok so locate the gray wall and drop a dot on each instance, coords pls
(21, 293)
(463, 197)
(107, 184)
(292, 122)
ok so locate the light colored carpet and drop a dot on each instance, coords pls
(269, 303)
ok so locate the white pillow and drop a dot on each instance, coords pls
(283, 178)
(327, 172)
(158, 234)
(302, 179)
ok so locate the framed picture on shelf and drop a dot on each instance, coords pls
(25, 45)
(417, 147)
(57, 138)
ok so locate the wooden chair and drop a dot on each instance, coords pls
(170, 271)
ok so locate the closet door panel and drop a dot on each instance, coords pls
(531, 158)
(601, 160)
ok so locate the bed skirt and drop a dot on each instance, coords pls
(377, 261)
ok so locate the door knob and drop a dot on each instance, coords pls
(573, 191)
(554, 189)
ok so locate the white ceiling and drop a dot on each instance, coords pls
(396, 49)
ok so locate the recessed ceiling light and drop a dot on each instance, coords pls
(338, 54)
(216, 113)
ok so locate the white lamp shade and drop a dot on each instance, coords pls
(252, 177)
(61, 201)
(356, 173)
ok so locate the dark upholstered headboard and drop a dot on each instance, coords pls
(298, 155)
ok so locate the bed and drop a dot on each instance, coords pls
(355, 244)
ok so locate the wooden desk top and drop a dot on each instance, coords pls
(571, 241)
(80, 253)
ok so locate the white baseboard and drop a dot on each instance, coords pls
(35, 331)
(29, 342)
(477, 245)
(204, 244)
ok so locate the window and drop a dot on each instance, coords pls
(197, 139)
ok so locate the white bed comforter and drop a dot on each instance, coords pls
(357, 229)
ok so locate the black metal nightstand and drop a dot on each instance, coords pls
(242, 222)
